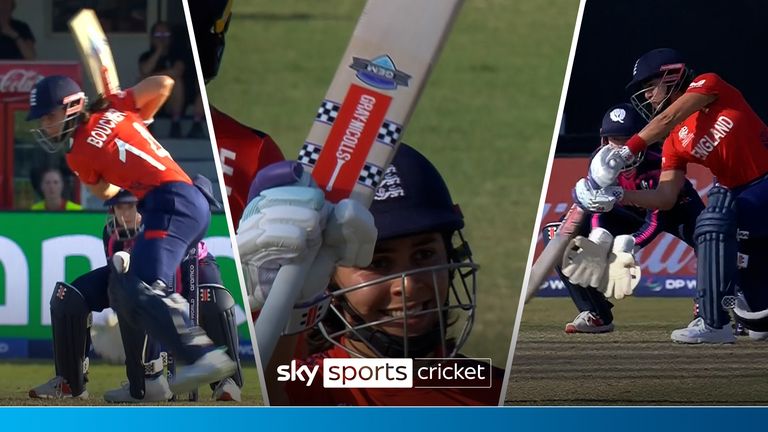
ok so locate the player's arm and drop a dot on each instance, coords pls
(661, 125)
(663, 197)
(103, 190)
(151, 93)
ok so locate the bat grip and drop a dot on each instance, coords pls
(275, 313)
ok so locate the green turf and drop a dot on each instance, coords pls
(18, 377)
(485, 118)
(637, 364)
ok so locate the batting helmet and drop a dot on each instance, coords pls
(49, 94)
(413, 199)
(669, 67)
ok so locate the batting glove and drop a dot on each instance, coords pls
(596, 200)
(608, 163)
(282, 223)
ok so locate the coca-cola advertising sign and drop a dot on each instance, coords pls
(668, 264)
(18, 78)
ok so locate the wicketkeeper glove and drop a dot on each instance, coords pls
(623, 271)
(585, 259)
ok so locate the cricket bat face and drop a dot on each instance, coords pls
(376, 87)
(95, 52)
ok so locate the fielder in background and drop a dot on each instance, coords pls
(109, 147)
(70, 321)
(704, 120)
(600, 262)
(415, 298)
(242, 150)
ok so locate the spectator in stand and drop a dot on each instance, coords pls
(51, 187)
(165, 58)
(16, 39)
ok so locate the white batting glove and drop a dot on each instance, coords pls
(281, 224)
(596, 200)
(585, 260)
(607, 164)
(277, 228)
(623, 270)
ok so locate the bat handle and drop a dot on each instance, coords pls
(275, 313)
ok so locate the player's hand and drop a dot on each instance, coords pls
(585, 260)
(623, 270)
(288, 216)
(607, 164)
(597, 200)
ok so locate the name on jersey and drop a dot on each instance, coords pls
(103, 128)
(706, 144)
(356, 126)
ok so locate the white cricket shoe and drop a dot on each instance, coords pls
(211, 367)
(227, 391)
(55, 388)
(758, 336)
(155, 390)
(698, 332)
(588, 322)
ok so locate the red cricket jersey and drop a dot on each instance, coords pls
(316, 394)
(115, 146)
(243, 151)
(727, 136)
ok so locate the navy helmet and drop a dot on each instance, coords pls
(621, 120)
(52, 93)
(412, 199)
(117, 225)
(122, 197)
(210, 21)
(667, 65)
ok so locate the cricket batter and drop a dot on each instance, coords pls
(704, 120)
(109, 148)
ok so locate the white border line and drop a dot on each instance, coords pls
(542, 199)
(227, 211)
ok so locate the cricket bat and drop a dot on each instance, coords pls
(94, 52)
(553, 253)
(358, 127)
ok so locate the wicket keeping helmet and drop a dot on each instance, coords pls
(118, 226)
(622, 121)
(52, 93)
(666, 64)
(413, 199)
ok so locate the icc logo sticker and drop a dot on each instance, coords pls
(618, 115)
(379, 72)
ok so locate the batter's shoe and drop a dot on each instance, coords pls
(698, 332)
(227, 391)
(588, 322)
(155, 390)
(758, 336)
(211, 367)
(55, 388)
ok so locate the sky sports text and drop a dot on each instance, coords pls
(391, 373)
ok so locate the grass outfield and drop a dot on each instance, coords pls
(637, 364)
(19, 377)
(485, 118)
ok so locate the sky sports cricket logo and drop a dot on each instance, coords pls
(391, 373)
